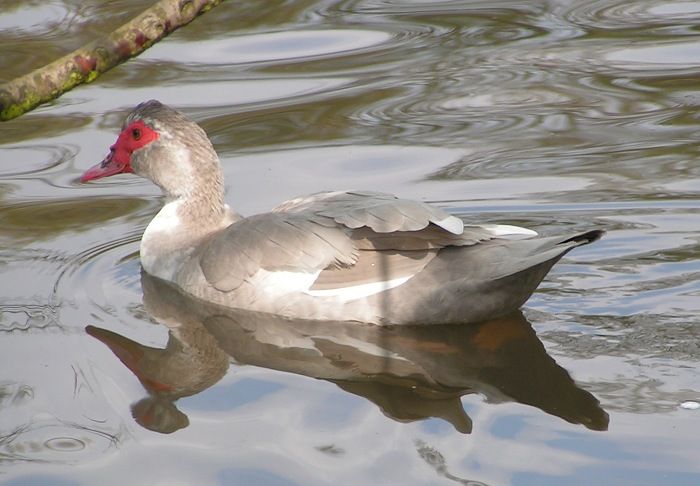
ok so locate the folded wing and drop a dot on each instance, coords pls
(358, 240)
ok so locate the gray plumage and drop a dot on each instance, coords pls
(383, 213)
(342, 256)
(463, 277)
(273, 241)
(332, 231)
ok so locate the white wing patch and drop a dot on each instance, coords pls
(283, 282)
(508, 231)
(452, 224)
(359, 291)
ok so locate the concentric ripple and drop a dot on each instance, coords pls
(29, 160)
(52, 441)
(75, 261)
(103, 279)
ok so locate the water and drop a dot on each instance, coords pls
(554, 115)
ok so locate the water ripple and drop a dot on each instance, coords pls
(607, 14)
(34, 159)
(22, 316)
(46, 16)
(389, 7)
(78, 261)
(560, 116)
(273, 47)
(102, 271)
(654, 56)
(28, 223)
(19, 27)
(50, 440)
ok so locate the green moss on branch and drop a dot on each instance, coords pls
(85, 64)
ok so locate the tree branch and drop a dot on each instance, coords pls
(87, 63)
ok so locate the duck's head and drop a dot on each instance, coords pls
(163, 145)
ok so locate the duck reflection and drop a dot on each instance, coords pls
(411, 373)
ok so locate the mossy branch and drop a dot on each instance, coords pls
(87, 63)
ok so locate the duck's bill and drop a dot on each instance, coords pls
(111, 165)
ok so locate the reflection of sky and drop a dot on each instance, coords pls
(404, 168)
(485, 110)
(273, 46)
(206, 94)
(245, 476)
(265, 424)
(678, 54)
(43, 15)
(229, 397)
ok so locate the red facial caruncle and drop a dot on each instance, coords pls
(133, 137)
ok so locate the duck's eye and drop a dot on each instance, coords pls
(136, 133)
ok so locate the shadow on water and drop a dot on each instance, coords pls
(411, 373)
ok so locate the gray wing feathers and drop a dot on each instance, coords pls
(273, 242)
(326, 231)
(431, 237)
(383, 213)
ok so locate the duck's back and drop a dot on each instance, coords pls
(370, 257)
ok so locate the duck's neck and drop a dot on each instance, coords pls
(178, 228)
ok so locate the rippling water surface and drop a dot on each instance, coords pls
(558, 115)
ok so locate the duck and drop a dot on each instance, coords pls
(351, 256)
